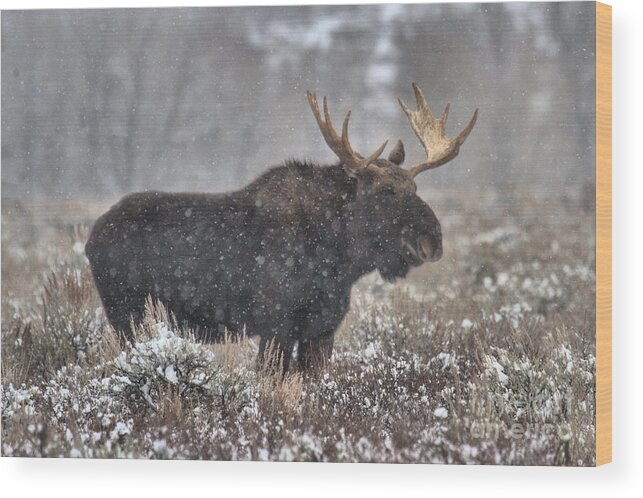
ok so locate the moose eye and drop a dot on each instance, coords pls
(388, 191)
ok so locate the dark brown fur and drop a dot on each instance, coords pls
(278, 256)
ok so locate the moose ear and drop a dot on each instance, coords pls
(397, 154)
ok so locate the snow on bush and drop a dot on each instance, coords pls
(486, 360)
(94, 409)
(537, 388)
(67, 328)
(169, 362)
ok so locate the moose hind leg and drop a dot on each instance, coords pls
(314, 354)
(275, 354)
(122, 311)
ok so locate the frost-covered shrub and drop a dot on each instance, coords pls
(168, 362)
(73, 414)
(92, 411)
(385, 330)
(536, 387)
(435, 368)
(68, 328)
(18, 400)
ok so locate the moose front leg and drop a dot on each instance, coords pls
(315, 346)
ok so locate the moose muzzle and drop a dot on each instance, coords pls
(429, 248)
(422, 248)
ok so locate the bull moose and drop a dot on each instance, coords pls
(277, 258)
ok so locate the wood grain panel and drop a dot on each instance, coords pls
(603, 233)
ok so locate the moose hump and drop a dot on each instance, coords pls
(277, 258)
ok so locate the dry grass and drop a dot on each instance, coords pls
(486, 357)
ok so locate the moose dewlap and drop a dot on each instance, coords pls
(278, 257)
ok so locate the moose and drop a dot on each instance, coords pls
(277, 258)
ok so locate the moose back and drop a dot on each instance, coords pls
(278, 257)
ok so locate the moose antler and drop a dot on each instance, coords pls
(439, 148)
(341, 146)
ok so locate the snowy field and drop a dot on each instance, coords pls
(486, 357)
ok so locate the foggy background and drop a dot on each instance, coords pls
(97, 103)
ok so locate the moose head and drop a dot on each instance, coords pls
(401, 230)
(279, 256)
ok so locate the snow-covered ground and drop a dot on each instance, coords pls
(485, 357)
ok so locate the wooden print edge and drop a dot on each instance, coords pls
(603, 233)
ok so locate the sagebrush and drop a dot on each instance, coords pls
(486, 357)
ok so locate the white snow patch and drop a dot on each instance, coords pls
(441, 412)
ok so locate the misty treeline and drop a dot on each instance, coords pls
(96, 103)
